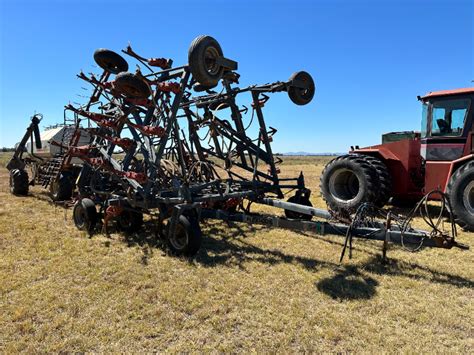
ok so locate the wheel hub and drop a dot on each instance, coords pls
(211, 56)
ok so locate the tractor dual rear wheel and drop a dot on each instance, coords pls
(461, 195)
(350, 180)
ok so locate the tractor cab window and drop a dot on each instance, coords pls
(448, 116)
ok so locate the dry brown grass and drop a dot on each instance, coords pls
(249, 288)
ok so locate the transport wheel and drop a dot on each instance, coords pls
(19, 182)
(347, 182)
(85, 215)
(298, 95)
(110, 61)
(384, 180)
(461, 195)
(132, 86)
(300, 200)
(130, 221)
(61, 189)
(186, 241)
(202, 59)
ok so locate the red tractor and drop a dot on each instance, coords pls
(407, 165)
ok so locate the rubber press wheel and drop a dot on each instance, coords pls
(110, 61)
(85, 215)
(202, 58)
(187, 238)
(132, 86)
(301, 95)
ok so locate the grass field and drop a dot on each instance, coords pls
(249, 288)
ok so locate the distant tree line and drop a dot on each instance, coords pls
(5, 149)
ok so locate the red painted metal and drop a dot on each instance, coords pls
(437, 174)
(448, 92)
(412, 177)
(403, 161)
(168, 87)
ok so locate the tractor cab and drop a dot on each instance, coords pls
(408, 165)
(446, 134)
(446, 124)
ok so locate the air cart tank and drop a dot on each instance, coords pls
(60, 134)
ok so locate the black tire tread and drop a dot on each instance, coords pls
(383, 177)
(296, 95)
(66, 187)
(191, 223)
(449, 191)
(195, 62)
(369, 173)
(120, 64)
(19, 183)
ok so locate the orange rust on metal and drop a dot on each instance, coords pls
(163, 63)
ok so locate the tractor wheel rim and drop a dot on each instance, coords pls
(344, 185)
(210, 58)
(468, 197)
(180, 238)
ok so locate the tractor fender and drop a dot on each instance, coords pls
(455, 164)
(382, 153)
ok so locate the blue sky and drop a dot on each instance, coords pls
(369, 59)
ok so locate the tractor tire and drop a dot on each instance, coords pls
(461, 196)
(300, 200)
(202, 59)
(347, 182)
(186, 241)
(19, 182)
(130, 221)
(302, 96)
(85, 215)
(110, 61)
(384, 180)
(62, 188)
(132, 86)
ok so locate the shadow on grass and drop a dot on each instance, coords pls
(394, 267)
(348, 284)
(225, 244)
(220, 248)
